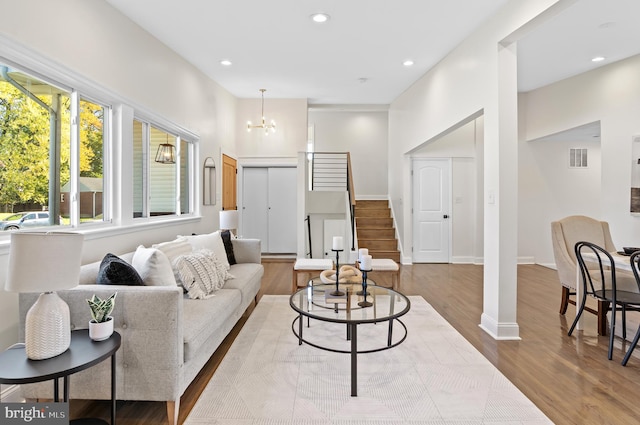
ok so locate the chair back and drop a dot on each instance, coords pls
(635, 266)
(598, 277)
(565, 233)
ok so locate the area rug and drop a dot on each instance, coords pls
(434, 377)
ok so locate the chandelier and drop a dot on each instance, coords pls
(263, 124)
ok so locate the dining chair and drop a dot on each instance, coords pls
(565, 233)
(635, 267)
(598, 279)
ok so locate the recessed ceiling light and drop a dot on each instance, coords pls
(408, 62)
(225, 62)
(597, 59)
(320, 17)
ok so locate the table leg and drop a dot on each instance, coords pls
(354, 359)
(65, 381)
(300, 320)
(56, 390)
(113, 389)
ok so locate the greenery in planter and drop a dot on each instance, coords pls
(101, 309)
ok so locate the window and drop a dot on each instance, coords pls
(56, 156)
(34, 145)
(160, 188)
(37, 171)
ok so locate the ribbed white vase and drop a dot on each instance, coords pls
(47, 327)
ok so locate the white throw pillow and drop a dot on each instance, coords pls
(211, 241)
(201, 273)
(174, 249)
(153, 266)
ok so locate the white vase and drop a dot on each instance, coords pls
(101, 331)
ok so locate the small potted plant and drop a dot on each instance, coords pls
(101, 324)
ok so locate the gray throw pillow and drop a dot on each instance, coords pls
(115, 271)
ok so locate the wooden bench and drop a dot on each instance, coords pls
(309, 266)
(386, 265)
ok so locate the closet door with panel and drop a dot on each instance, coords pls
(269, 207)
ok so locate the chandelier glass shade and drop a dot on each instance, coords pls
(271, 127)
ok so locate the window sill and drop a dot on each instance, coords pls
(104, 230)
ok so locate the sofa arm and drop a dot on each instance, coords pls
(247, 250)
(150, 359)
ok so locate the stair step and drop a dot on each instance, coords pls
(376, 233)
(369, 222)
(378, 244)
(371, 212)
(365, 204)
(393, 255)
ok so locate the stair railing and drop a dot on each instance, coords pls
(352, 201)
(339, 184)
(308, 220)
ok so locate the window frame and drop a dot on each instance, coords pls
(115, 138)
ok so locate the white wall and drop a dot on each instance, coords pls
(479, 76)
(365, 135)
(124, 60)
(290, 137)
(611, 95)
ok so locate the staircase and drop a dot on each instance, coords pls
(375, 229)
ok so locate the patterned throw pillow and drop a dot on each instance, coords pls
(201, 273)
(115, 271)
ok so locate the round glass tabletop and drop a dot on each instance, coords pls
(318, 301)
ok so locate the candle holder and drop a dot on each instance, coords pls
(337, 292)
(364, 303)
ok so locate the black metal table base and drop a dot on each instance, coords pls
(352, 335)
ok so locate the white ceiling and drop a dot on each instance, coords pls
(275, 45)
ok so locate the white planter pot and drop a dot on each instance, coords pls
(101, 331)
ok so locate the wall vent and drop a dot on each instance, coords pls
(578, 158)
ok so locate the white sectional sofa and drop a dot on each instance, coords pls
(166, 337)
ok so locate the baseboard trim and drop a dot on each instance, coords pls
(463, 260)
(500, 331)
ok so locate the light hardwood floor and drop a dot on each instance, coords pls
(568, 378)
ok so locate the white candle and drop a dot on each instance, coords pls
(337, 243)
(362, 252)
(365, 262)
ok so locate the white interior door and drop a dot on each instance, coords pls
(282, 209)
(431, 209)
(255, 204)
(332, 228)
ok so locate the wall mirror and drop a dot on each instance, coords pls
(209, 182)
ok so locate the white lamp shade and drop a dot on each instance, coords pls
(44, 261)
(229, 219)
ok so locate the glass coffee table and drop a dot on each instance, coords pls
(315, 302)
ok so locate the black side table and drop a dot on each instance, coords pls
(16, 368)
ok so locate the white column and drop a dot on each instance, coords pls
(500, 203)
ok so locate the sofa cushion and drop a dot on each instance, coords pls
(211, 241)
(203, 318)
(153, 266)
(115, 271)
(202, 273)
(248, 278)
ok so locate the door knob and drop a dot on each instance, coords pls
(445, 216)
